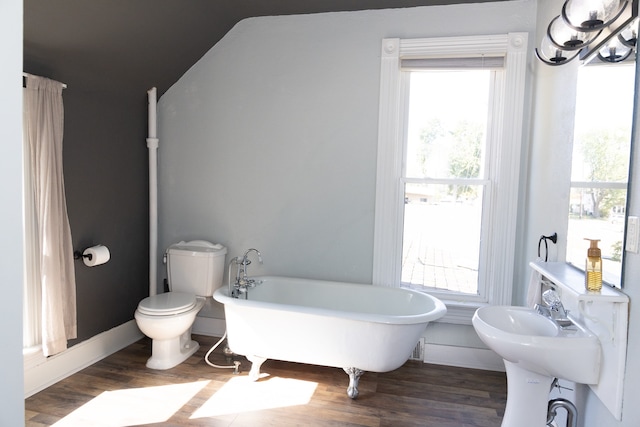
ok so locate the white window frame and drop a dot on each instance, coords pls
(502, 202)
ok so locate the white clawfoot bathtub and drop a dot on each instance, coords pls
(344, 325)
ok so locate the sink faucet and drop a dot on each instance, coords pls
(553, 308)
(243, 282)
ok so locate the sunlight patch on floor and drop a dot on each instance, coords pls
(241, 394)
(135, 406)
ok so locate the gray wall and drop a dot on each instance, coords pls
(11, 386)
(106, 182)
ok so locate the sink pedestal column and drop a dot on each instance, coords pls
(527, 397)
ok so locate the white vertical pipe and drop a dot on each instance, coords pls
(152, 144)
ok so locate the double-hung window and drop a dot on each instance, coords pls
(450, 137)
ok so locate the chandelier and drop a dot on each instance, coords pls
(588, 29)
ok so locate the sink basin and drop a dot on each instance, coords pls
(535, 351)
(523, 337)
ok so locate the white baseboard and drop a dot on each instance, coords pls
(209, 326)
(463, 357)
(45, 372)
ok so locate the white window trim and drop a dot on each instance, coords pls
(506, 170)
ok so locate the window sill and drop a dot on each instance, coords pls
(460, 313)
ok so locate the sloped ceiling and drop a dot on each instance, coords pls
(136, 44)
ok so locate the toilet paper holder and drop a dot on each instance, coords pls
(93, 255)
(80, 255)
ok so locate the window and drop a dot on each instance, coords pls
(600, 165)
(448, 167)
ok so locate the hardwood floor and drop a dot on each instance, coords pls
(121, 391)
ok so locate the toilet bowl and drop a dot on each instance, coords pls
(194, 273)
(167, 319)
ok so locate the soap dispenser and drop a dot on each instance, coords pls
(593, 267)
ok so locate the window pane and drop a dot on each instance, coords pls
(601, 153)
(447, 124)
(446, 140)
(441, 243)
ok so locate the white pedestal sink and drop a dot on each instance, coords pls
(535, 351)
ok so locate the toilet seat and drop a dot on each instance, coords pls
(166, 304)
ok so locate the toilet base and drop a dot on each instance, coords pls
(166, 354)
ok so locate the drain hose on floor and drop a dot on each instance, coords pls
(235, 365)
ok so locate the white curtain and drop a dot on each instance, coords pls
(50, 284)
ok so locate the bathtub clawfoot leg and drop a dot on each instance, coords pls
(256, 362)
(354, 378)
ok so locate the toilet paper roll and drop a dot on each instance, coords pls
(96, 255)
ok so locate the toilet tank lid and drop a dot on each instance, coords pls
(197, 247)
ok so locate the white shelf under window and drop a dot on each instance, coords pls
(573, 280)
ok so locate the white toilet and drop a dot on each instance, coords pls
(195, 271)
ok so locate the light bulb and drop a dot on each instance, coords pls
(591, 15)
(551, 54)
(567, 38)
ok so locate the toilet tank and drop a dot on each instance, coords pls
(195, 267)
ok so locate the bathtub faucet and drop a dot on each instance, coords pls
(232, 289)
(243, 282)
